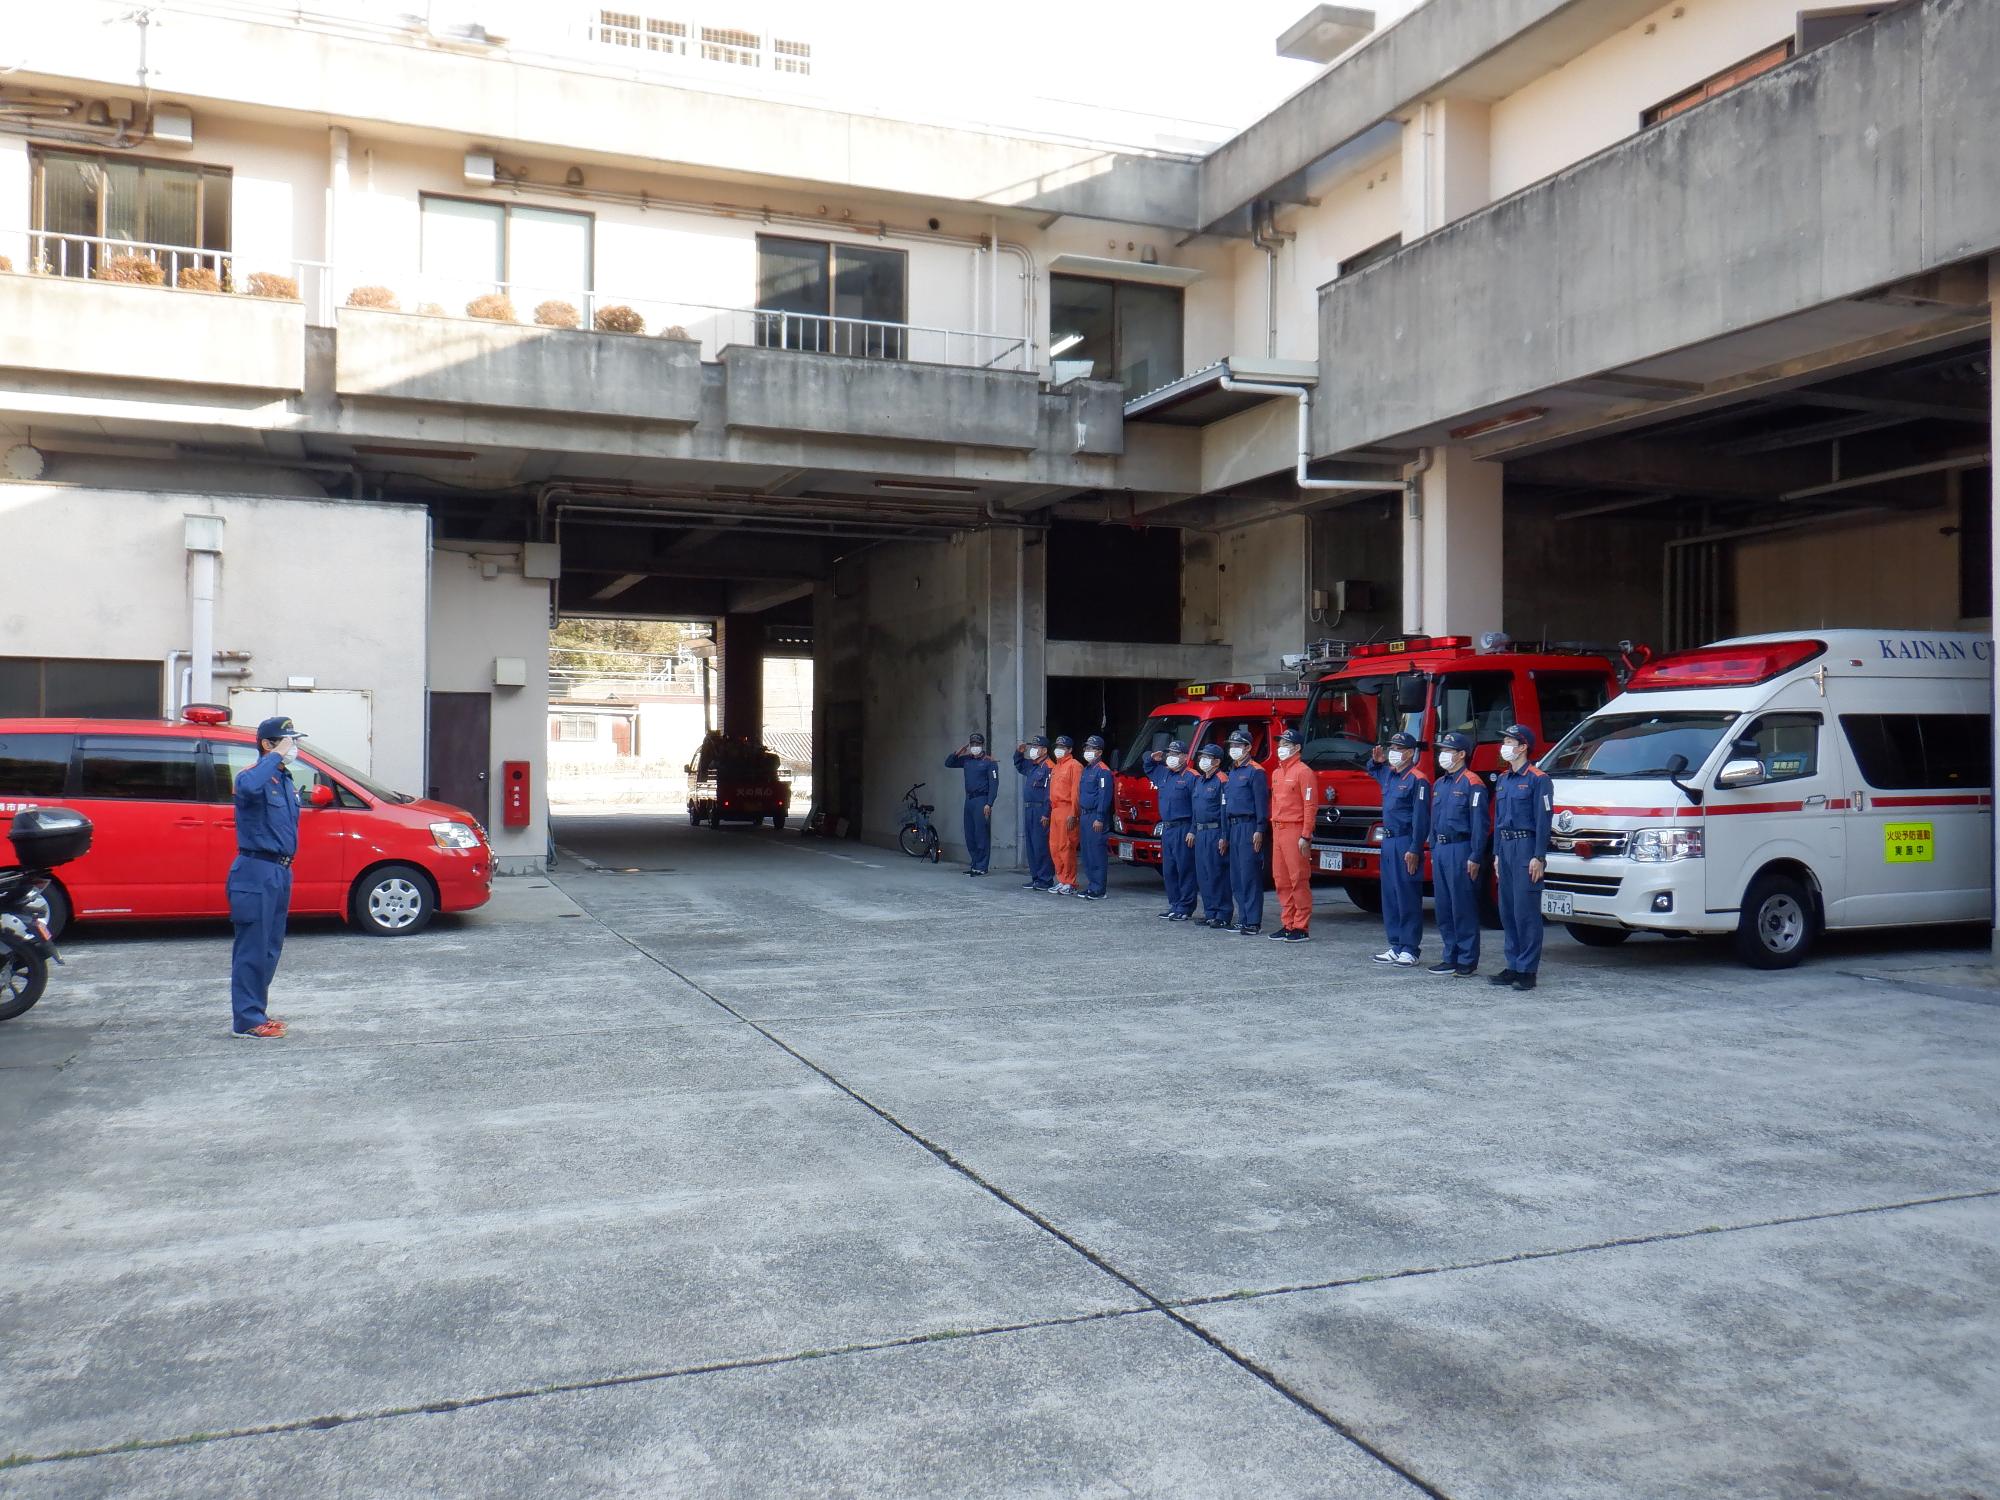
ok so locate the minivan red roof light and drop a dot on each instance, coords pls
(1724, 666)
(205, 713)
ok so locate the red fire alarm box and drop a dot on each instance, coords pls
(514, 793)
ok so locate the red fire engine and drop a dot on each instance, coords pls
(1204, 713)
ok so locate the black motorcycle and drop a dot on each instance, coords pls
(43, 837)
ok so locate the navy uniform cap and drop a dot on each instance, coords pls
(1095, 742)
(1176, 748)
(279, 727)
(1039, 739)
(1402, 740)
(1519, 732)
(1455, 741)
(977, 739)
(1063, 739)
(1289, 737)
(1239, 736)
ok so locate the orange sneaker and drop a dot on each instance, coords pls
(269, 1031)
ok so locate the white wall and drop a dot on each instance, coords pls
(16, 186)
(475, 619)
(1596, 99)
(327, 589)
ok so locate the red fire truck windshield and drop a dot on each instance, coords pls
(1347, 718)
(1156, 733)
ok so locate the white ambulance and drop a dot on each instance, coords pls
(1772, 787)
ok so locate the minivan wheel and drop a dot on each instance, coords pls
(1778, 925)
(394, 901)
(59, 908)
(1597, 937)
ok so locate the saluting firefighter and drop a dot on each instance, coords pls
(1064, 776)
(1523, 806)
(1246, 809)
(1094, 798)
(1294, 789)
(1406, 808)
(1211, 859)
(1031, 763)
(982, 786)
(1461, 831)
(1175, 785)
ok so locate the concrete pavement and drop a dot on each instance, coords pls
(736, 1163)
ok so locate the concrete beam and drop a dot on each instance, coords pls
(1871, 143)
(1119, 659)
(753, 598)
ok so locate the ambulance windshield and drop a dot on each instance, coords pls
(1348, 717)
(1156, 733)
(1637, 747)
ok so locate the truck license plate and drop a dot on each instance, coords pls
(1329, 859)
(1558, 904)
(1124, 851)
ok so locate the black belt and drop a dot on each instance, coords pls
(284, 860)
(1514, 833)
(1207, 825)
(1440, 843)
(1172, 822)
(1242, 817)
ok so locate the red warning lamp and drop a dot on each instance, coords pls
(1216, 690)
(205, 713)
(1723, 666)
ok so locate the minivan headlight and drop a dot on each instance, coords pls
(1659, 846)
(454, 836)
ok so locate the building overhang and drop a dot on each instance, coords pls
(1200, 398)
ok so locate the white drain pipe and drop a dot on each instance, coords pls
(203, 539)
(1304, 480)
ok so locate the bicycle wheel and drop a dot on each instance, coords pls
(910, 840)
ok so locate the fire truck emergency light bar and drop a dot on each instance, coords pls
(1239, 690)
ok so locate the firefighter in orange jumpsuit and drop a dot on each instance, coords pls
(1294, 791)
(1064, 782)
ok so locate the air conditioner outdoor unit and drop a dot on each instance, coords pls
(173, 125)
(479, 169)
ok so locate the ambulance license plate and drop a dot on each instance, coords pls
(1558, 904)
(1329, 859)
(1124, 851)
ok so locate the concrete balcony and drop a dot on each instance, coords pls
(393, 356)
(68, 326)
(1756, 230)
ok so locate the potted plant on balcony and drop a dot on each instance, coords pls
(131, 270)
(619, 319)
(555, 314)
(197, 279)
(374, 296)
(270, 284)
(494, 307)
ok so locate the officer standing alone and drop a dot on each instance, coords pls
(1064, 776)
(1294, 792)
(982, 786)
(1523, 808)
(1174, 784)
(1211, 861)
(1246, 809)
(1031, 763)
(260, 881)
(1094, 797)
(1461, 826)
(1405, 828)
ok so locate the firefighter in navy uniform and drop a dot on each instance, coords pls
(982, 786)
(1246, 809)
(1406, 809)
(1094, 789)
(1175, 784)
(1211, 864)
(1032, 763)
(260, 881)
(1461, 831)
(1524, 804)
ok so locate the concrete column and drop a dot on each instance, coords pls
(1447, 160)
(1015, 682)
(1993, 603)
(742, 640)
(1453, 547)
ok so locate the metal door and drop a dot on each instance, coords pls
(461, 752)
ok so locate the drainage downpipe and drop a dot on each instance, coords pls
(1300, 476)
(1030, 276)
(1413, 540)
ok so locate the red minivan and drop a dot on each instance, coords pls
(162, 795)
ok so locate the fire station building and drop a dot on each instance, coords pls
(362, 348)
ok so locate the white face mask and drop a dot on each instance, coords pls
(1207, 765)
(1286, 752)
(1512, 753)
(1061, 751)
(1450, 760)
(1399, 758)
(289, 750)
(1034, 752)
(1237, 752)
(1175, 762)
(1090, 755)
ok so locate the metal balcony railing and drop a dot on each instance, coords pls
(94, 257)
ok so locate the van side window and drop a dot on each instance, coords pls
(1567, 699)
(227, 759)
(34, 765)
(136, 770)
(1480, 704)
(1900, 752)
(1787, 744)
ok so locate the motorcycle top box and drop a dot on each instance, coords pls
(47, 836)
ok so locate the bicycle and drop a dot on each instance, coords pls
(918, 838)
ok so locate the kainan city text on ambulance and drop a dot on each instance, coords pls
(1775, 786)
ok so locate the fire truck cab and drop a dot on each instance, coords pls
(1426, 686)
(1204, 713)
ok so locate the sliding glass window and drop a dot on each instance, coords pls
(82, 199)
(1127, 331)
(537, 254)
(832, 299)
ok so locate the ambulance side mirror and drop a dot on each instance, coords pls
(321, 795)
(1741, 773)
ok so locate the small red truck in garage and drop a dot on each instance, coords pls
(1203, 713)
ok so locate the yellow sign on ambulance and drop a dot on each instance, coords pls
(1907, 843)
